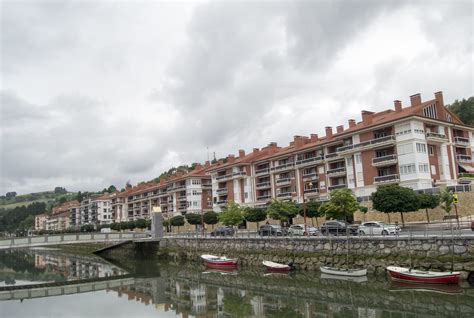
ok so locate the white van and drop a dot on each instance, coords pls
(106, 230)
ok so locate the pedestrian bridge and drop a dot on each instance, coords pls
(72, 238)
(64, 288)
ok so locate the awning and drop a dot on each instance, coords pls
(469, 169)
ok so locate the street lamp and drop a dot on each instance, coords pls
(304, 209)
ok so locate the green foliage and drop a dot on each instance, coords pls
(211, 218)
(466, 175)
(62, 200)
(177, 220)
(10, 219)
(28, 223)
(255, 215)
(464, 109)
(393, 198)
(87, 228)
(428, 201)
(235, 307)
(446, 200)
(193, 218)
(166, 223)
(342, 204)
(140, 223)
(232, 214)
(10, 195)
(363, 209)
(312, 209)
(282, 210)
(111, 188)
(60, 190)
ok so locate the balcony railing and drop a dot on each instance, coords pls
(310, 176)
(337, 186)
(262, 171)
(263, 185)
(336, 172)
(367, 144)
(308, 161)
(311, 190)
(434, 135)
(284, 195)
(177, 188)
(264, 197)
(330, 156)
(285, 166)
(461, 141)
(385, 160)
(223, 177)
(221, 191)
(283, 181)
(387, 179)
(206, 185)
(182, 199)
(221, 202)
(463, 158)
(239, 174)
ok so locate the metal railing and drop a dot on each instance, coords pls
(283, 181)
(337, 186)
(336, 171)
(435, 135)
(285, 166)
(389, 159)
(263, 185)
(464, 158)
(387, 179)
(368, 144)
(262, 171)
(315, 159)
(461, 140)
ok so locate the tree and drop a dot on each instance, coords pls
(464, 109)
(446, 199)
(10, 195)
(62, 200)
(312, 210)
(193, 218)
(393, 198)
(111, 189)
(342, 205)
(232, 214)
(364, 210)
(177, 220)
(140, 223)
(80, 196)
(282, 210)
(428, 201)
(60, 190)
(255, 215)
(211, 218)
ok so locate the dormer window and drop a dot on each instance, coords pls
(430, 111)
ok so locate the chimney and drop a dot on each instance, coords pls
(299, 141)
(241, 153)
(314, 137)
(230, 158)
(439, 98)
(328, 132)
(367, 117)
(272, 147)
(198, 166)
(398, 105)
(220, 161)
(207, 164)
(352, 123)
(256, 150)
(340, 129)
(415, 100)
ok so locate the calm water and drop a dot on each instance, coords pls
(88, 286)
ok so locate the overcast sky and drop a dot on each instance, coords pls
(95, 93)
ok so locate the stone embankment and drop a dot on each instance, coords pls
(308, 254)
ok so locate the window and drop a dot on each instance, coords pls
(349, 161)
(195, 181)
(358, 158)
(380, 134)
(431, 150)
(448, 117)
(407, 169)
(195, 192)
(404, 129)
(381, 153)
(404, 149)
(246, 194)
(420, 148)
(430, 111)
(423, 168)
(321, 169)
(433, 169)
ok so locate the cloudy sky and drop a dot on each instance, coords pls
(95, 93)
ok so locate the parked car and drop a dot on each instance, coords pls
(298, 229)
(223, 231)
(271, 230)
(378, 228)
(338, 228)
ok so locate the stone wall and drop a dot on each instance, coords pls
(308, 254)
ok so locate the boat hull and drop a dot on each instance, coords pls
(343, 272)
(425, 277)
(276, 267)
(219, 262)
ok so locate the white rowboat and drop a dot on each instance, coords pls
(343, 272)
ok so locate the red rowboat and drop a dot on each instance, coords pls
(276, 267)
(219, 261)
(419, 276)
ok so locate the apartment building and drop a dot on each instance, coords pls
(95, 210)
(40, 222)
(418, 146)
(59, 221)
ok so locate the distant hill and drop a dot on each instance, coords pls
(13, 201)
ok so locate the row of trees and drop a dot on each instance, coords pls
(342, 205)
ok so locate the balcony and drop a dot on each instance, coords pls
(221, 202)
(384, 161)
(373, 143)
(283, 181)
(262, 185)
(221, 191)
(309, 161)
(262, 172)
(239, 174)
(461, 142)
(463, 158)
(391, 178)
(177, 188)
(331, 156)
(309, 191)
(283, 167)
(310, 176)
(436, 137)
(336, 172)
(337, 186)
(206, 185)
(284, 195)
(182, 208)
(264, 197)
(182, 199)
(223, 178)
